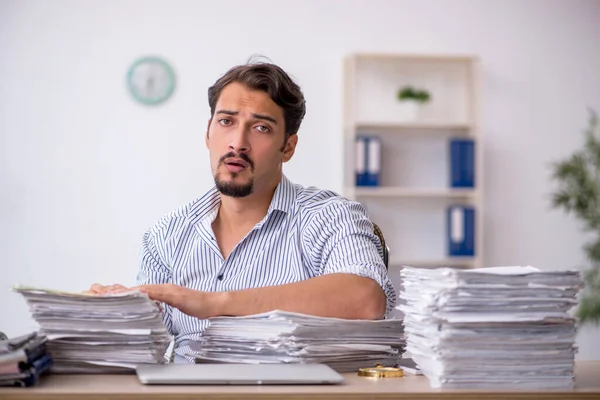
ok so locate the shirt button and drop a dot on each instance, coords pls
(220, 277)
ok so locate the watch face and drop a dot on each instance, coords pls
(151, 80)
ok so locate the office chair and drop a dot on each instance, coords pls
(386, 249)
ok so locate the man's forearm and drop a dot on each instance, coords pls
(333, 295)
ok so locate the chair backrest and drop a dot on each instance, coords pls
(386, 249)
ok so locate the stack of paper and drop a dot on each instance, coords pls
(284, 337)
(506, 327)
(104, 334)
(23, 359)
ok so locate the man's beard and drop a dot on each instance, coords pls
(233, 189)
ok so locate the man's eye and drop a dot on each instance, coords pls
(263, 128)
(225, 121)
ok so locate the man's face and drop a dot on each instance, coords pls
(246, 141)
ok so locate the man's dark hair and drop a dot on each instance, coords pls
(271, 79)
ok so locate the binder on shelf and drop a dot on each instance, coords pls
(461, 231)
(373, 161)
(361, 161)
(368, 161)
(462, 163)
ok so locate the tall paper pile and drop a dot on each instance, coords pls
(98, 333)
(506, 327)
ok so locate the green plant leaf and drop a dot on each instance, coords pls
(591, 278)
(410, 93)
(592, 251)
(566, 169)
(562, 199)
(589, 309)
(578, 193)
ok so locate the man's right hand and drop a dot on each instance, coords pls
(97, 288)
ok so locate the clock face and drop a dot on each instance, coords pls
(151, 80)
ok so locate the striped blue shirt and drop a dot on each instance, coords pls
(306, 232)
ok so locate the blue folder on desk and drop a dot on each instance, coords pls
(23, 359)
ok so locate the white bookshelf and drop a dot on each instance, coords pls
(408, 192)
(415, 127)
(410, 203)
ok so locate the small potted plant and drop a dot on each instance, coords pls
(411, 100)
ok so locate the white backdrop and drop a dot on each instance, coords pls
(85, 170)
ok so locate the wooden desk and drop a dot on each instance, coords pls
(127, 387)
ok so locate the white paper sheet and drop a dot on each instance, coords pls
(284, 337)
(491, 328)
(98, 333)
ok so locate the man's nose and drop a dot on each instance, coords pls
(240, 140)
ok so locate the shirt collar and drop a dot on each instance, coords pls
(283, 200)
(284, 196)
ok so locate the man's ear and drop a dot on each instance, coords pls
(290, 148)
(207, 129)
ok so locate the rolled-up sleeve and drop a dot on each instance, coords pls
(341, 239)
(154, 270)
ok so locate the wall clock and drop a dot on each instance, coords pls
(151, 80)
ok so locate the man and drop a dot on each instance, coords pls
(257, 242)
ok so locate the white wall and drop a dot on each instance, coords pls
(85, 170)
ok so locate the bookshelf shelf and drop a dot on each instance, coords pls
(414, 202)
(414, 57)
(413, 127)
(414, 192)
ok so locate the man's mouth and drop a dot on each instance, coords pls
(235, 164)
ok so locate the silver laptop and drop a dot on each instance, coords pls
(237, 374)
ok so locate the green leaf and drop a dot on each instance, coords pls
(591, 278)
(568, 169)
(410, 93)
(406, 93)
(562, 199)
(589, 309)
(578, 193)
(592, 250)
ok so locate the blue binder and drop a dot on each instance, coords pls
(373, 161)
(368, 161)
(462, 163)
(361, 161)
(461, 231)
